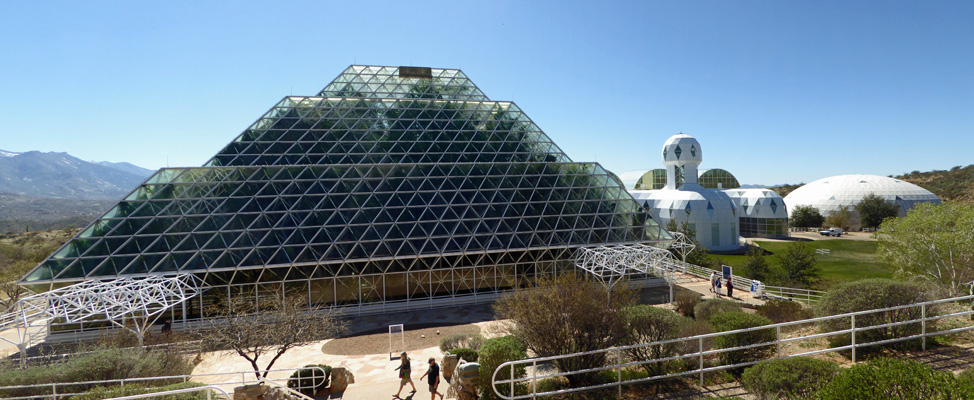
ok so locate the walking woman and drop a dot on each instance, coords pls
(404, 370)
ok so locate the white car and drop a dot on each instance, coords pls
(831, 232)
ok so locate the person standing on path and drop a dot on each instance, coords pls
(713, 282)
(434, 378)
(730, 288)
(404, 370)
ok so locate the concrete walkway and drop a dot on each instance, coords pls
(702, 286)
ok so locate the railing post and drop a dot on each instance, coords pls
(512, 380)
(619, 368)
(778, 339)
(54, 390)
(923, 324)
(534, 380)
(700, 341)
(209, 395)
(853, 338)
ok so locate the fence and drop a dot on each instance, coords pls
(63, 389)
(804, 295)
(704, 354)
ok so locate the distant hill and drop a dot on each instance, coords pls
(957, 184)
(61, 175)
(20, 213)
(783, 189)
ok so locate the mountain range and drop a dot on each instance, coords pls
(61, 175)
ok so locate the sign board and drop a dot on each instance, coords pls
(727, 271)
(396, 345)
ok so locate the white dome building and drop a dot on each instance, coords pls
(829, 194)
(762, 212)
(711, 214)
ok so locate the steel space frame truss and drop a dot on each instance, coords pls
(611, 263)
(138, 300)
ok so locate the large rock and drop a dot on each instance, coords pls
(341, 377)
(450, 363)
(249, 392)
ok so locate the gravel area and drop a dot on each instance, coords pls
(378, 343)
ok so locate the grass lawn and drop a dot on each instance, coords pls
(849, 260)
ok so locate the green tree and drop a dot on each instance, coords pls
(873, 209)
(806, 217)
(797, 264)
(934, 243)
(756, 266)
(840, 218)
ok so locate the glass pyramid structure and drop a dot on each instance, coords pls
(393, 184)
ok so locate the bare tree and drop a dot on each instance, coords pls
(278, 325)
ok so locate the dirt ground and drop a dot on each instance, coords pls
(378, 343)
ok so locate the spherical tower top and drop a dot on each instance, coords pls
(682, 150)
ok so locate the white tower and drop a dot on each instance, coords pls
(681, 156)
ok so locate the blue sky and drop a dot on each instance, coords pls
(776, 91)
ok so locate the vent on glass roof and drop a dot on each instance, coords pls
(416, 72)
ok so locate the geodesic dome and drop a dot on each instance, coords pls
(829, 194)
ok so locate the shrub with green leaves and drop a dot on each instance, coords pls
(648, 324)
(779, 311)
(730, 321)
(708, 308)
(495, 352)
(102, 364)
(310, 379)
(463, 353)
(109, 392)
(890, 378)
(873, 294)
(788, 378)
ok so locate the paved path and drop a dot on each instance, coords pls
(702, 286)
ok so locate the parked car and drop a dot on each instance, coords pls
(831, 232)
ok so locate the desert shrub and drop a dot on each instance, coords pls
(108, 392)
(740, 320)
(470, 355)
(476, 341)
(871, 294)
(495, 352)
(569, 314)
(779, 311)
(309, 378)
(890, 378)
(459, 340)
(788, 378)
(652, 324)
(698, 327)
(685, 301)
(102, 364)
(708, 308)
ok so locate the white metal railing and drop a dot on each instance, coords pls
(704, 352)
(741, 283)
(209, 393)
(63, 389)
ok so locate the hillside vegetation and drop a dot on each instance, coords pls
(957, 184)
(19, 253)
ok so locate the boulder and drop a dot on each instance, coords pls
(450, 363)
(249, 392)
(341, 377)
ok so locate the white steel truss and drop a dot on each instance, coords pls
(611, 263)
(682, 245)
(140, 301)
